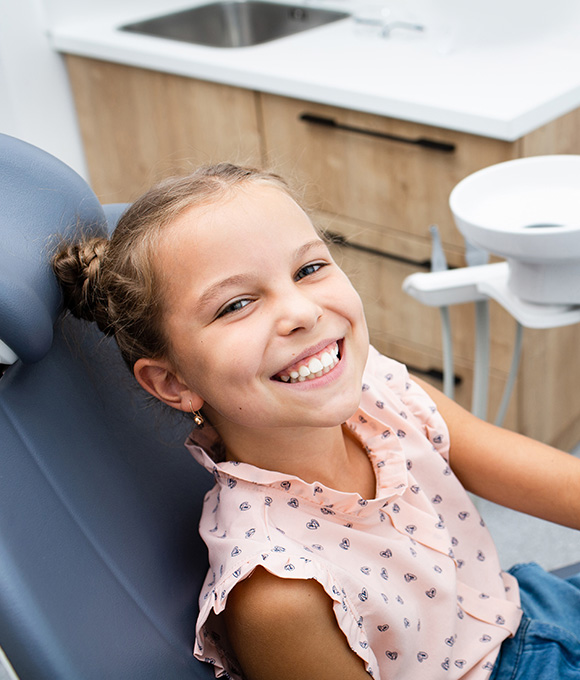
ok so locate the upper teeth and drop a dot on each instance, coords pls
(315, 368)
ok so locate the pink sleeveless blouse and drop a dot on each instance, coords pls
(413, 573)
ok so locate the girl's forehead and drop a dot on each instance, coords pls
(258, 229)
(253, 211)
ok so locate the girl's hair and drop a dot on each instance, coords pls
(114, 281)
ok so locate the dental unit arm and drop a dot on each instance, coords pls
(525, 211)
(479, 284)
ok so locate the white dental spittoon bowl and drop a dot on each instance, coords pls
(527, 211)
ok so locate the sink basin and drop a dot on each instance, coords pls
(527, 211)
(234, 23)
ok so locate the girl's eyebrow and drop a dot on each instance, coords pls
(307, 247)
(213, 291)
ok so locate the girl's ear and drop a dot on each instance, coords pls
(157, 377)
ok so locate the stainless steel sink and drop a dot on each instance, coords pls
(232, 23)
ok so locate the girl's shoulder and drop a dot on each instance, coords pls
(275, 626)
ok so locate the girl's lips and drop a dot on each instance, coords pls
(313, 365)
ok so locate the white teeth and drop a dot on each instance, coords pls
(326, 360)
(315, 365)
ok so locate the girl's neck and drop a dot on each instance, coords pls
(330, 456)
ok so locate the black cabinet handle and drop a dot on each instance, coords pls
(424, 142)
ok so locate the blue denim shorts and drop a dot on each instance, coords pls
(547, 643)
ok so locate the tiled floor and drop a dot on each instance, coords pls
(521, 538)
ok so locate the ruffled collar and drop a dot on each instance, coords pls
(381, 442)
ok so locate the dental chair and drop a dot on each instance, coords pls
(100, 558)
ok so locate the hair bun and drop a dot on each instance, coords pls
(78, 269)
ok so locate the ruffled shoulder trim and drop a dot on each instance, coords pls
(211, 645)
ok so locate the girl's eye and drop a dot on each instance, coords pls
(234, 306)
(309, 269)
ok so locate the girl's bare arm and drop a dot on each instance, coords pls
(286, 629)
(510, 469)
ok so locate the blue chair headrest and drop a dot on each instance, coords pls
(41, 199)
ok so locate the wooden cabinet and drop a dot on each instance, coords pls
(366, 181)
(139, 126)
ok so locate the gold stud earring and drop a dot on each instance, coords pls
(197, 417)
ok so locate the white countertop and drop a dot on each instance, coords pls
(481, 76)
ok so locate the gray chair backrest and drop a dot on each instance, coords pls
(100, 558)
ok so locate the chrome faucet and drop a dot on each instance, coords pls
(388, 27)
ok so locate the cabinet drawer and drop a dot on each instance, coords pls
(382, 180)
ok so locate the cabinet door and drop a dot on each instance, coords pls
(548, 386)
(139, 126)
(391, 181)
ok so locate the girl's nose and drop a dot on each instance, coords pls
(298, 311)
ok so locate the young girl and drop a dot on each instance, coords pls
(342, 542)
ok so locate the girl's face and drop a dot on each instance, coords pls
(254, 299)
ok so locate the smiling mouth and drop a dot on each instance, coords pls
(311, 367)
